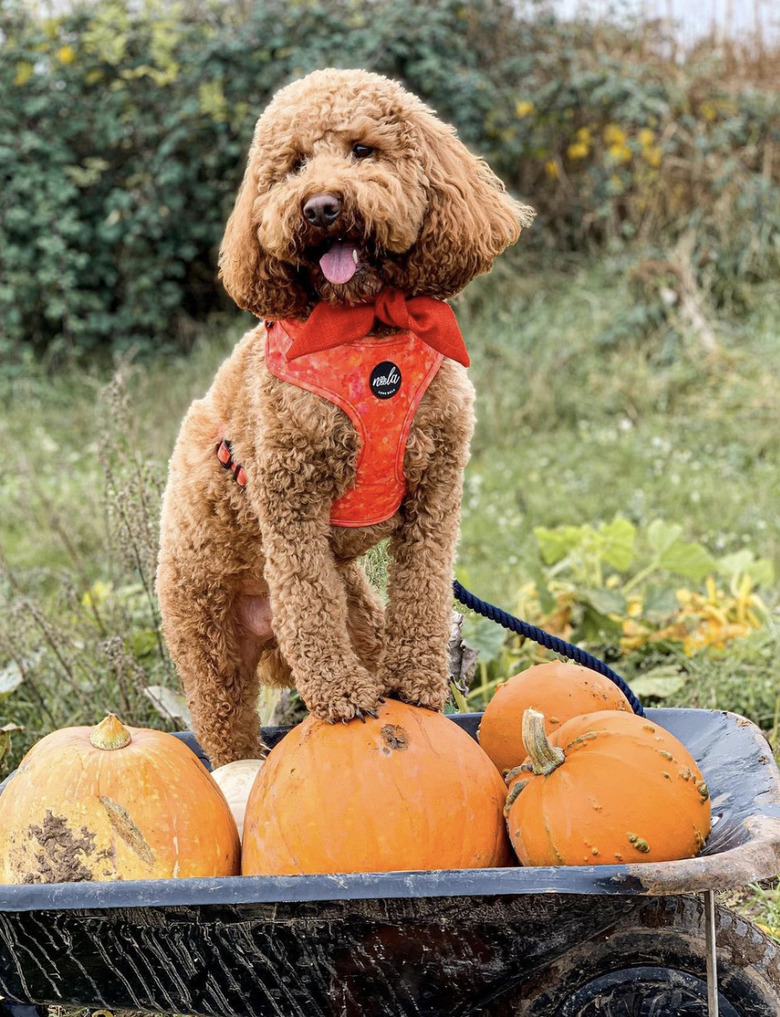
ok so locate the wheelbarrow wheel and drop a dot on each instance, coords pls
(653, 964)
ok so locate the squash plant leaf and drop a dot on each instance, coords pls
(555, 545)
(691, 561)
(660, 603)
(484, 636)
(659, 683)
(743, 562)
(604, 600)
(661, 535)
(598, 628)
(618, 543)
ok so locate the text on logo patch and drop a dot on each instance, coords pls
(385, 380)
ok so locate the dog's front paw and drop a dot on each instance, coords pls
(419, 686)
(356, 695)
(345, 709)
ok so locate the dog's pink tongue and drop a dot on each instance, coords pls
(339, 264)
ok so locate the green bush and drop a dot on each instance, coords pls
(124, 128)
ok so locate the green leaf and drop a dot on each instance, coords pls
(659, 683)
(760, 570)
(736, 564)
(595, 627)
(485, 636)
(618, 543)
(460, 699)
(659, 603)
(555, 544)
(661, 535)
(691, 561)
(143, 643)
(535, 572)
(605, 601)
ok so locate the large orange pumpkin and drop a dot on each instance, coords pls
(558, 690)
(113, 803)
(407, 790)
(606, 788)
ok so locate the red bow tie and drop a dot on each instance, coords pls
(331, 325)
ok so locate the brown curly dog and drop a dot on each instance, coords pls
(354, 192)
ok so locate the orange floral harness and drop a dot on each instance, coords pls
(379, 384)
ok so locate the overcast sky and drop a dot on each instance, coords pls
(695, 17)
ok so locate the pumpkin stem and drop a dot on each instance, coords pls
(545, 758)
(110, 733)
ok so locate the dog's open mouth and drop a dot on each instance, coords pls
(340, 261)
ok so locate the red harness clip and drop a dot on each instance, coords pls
(225, 456)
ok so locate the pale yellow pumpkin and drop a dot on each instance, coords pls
(110, 803)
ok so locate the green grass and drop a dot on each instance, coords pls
(575, 426)
(590, 405)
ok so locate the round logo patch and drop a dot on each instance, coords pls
(385, 380)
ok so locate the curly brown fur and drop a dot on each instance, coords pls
(256, 582)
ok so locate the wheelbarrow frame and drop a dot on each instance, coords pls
(313, 945)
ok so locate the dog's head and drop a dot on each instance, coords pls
(353, 184)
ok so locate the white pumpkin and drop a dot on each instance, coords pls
(235, 781)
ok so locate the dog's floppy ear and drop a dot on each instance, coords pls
(256, 281)
(470, 218)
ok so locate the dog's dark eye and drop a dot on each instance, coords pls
(362, 151)
(298, 164)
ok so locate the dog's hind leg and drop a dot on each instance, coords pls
(216, 647)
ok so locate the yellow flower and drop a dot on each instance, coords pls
(98, 595)
(66, 54)
(578, 150)
(613, 135)
(619, 152)
(583, 135)
(653, 155)
(708, 111)
(24, 71)
(522, 109)
(646, 137)
(551, 168)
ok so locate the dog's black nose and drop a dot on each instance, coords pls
(322, 210)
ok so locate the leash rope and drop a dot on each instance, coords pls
(550, 642)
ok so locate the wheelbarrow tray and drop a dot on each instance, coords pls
(427, 943)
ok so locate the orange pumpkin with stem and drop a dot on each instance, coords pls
(406, 790)
(557, 689)
(113, 802)
(607, 788)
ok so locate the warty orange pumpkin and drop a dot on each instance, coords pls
(112, 802)
(607, 788)
(408, 789)
(558, 689)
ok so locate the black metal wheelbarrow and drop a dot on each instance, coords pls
(644, 940)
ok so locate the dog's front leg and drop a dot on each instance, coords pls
(309, 602)
(418, 614)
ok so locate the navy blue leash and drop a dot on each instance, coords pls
(522, 628)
